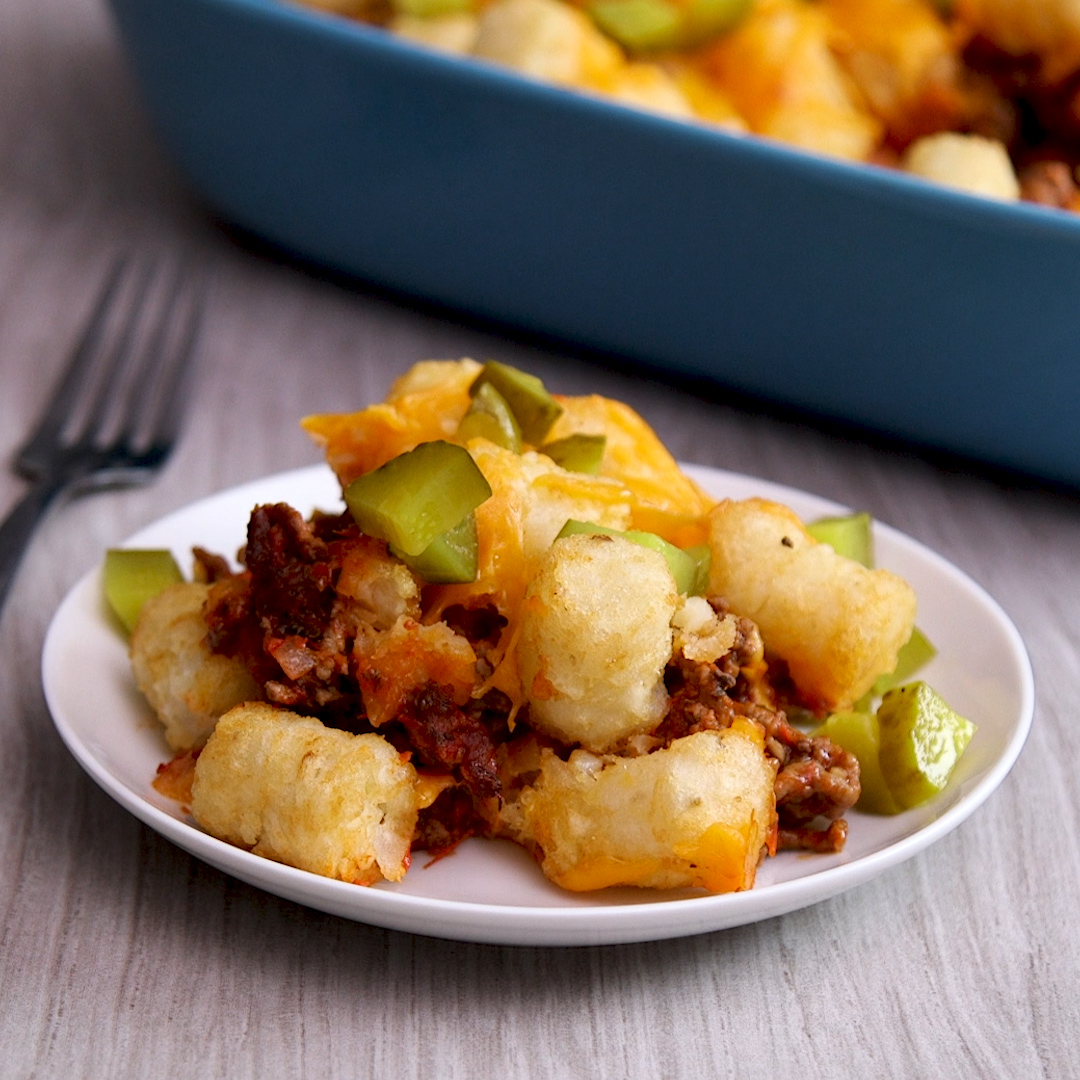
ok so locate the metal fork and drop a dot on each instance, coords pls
(115, 414)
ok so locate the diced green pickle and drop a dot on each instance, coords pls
(685, 568)
(922, 739)
(490, 417)
(914, 654)
(431, 9)
(639, 24)
(851, 536)
(451, 558)
(859, 734)
(648, 25)
(578, 453)
(133, 576)
(702, 555)
(706, 19)
(534, 408)
(578, 528)
(417, 496)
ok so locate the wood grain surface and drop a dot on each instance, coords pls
(121, 956)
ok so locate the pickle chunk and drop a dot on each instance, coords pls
(860, 734)
(533, 407)
(850, 535)
(577, 453)
(917, 651)
(922, 739)
(451, 558)
(689, 568)
(417, 496)
(648, 25)
(639, 24)
(431, 9)
(133, 576)
(490, 417)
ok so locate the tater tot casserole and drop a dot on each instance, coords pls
(979, 95)
(527, 624)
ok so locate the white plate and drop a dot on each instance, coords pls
(491, 891)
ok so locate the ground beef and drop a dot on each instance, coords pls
(232, 628)
(1049, 183)
(209, 567)
(825, 841)
(1037, 118)
(283, 618)
(816, 779)
(451, 818)
(291, 581)
(448, 737)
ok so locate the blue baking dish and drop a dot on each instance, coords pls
(853, 292)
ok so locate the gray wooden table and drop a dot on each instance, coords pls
(121, 956)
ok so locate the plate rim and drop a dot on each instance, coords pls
(514, 924)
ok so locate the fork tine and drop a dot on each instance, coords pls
(118, 354)
(156, 400)
(116, 413)
(74, 379)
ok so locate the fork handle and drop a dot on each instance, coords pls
(19, 526)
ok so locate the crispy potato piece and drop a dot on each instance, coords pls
(187, 686)
(700, 633)
(288, 788)
(644, 85)
(967, 162)
(454, 33)
(837, 625)
(547, 40)
(697, 814)
(595, 639)
(558, 43)
(382, 586)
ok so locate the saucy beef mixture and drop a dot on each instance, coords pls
(306, 645)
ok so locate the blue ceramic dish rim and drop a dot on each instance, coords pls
(865, 180)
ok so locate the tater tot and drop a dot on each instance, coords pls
(288, 788)
(697, 814)
(968, 163)
(186, 684)
(595, 638)
(546, 40)
(453, 33)
(836, 624)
